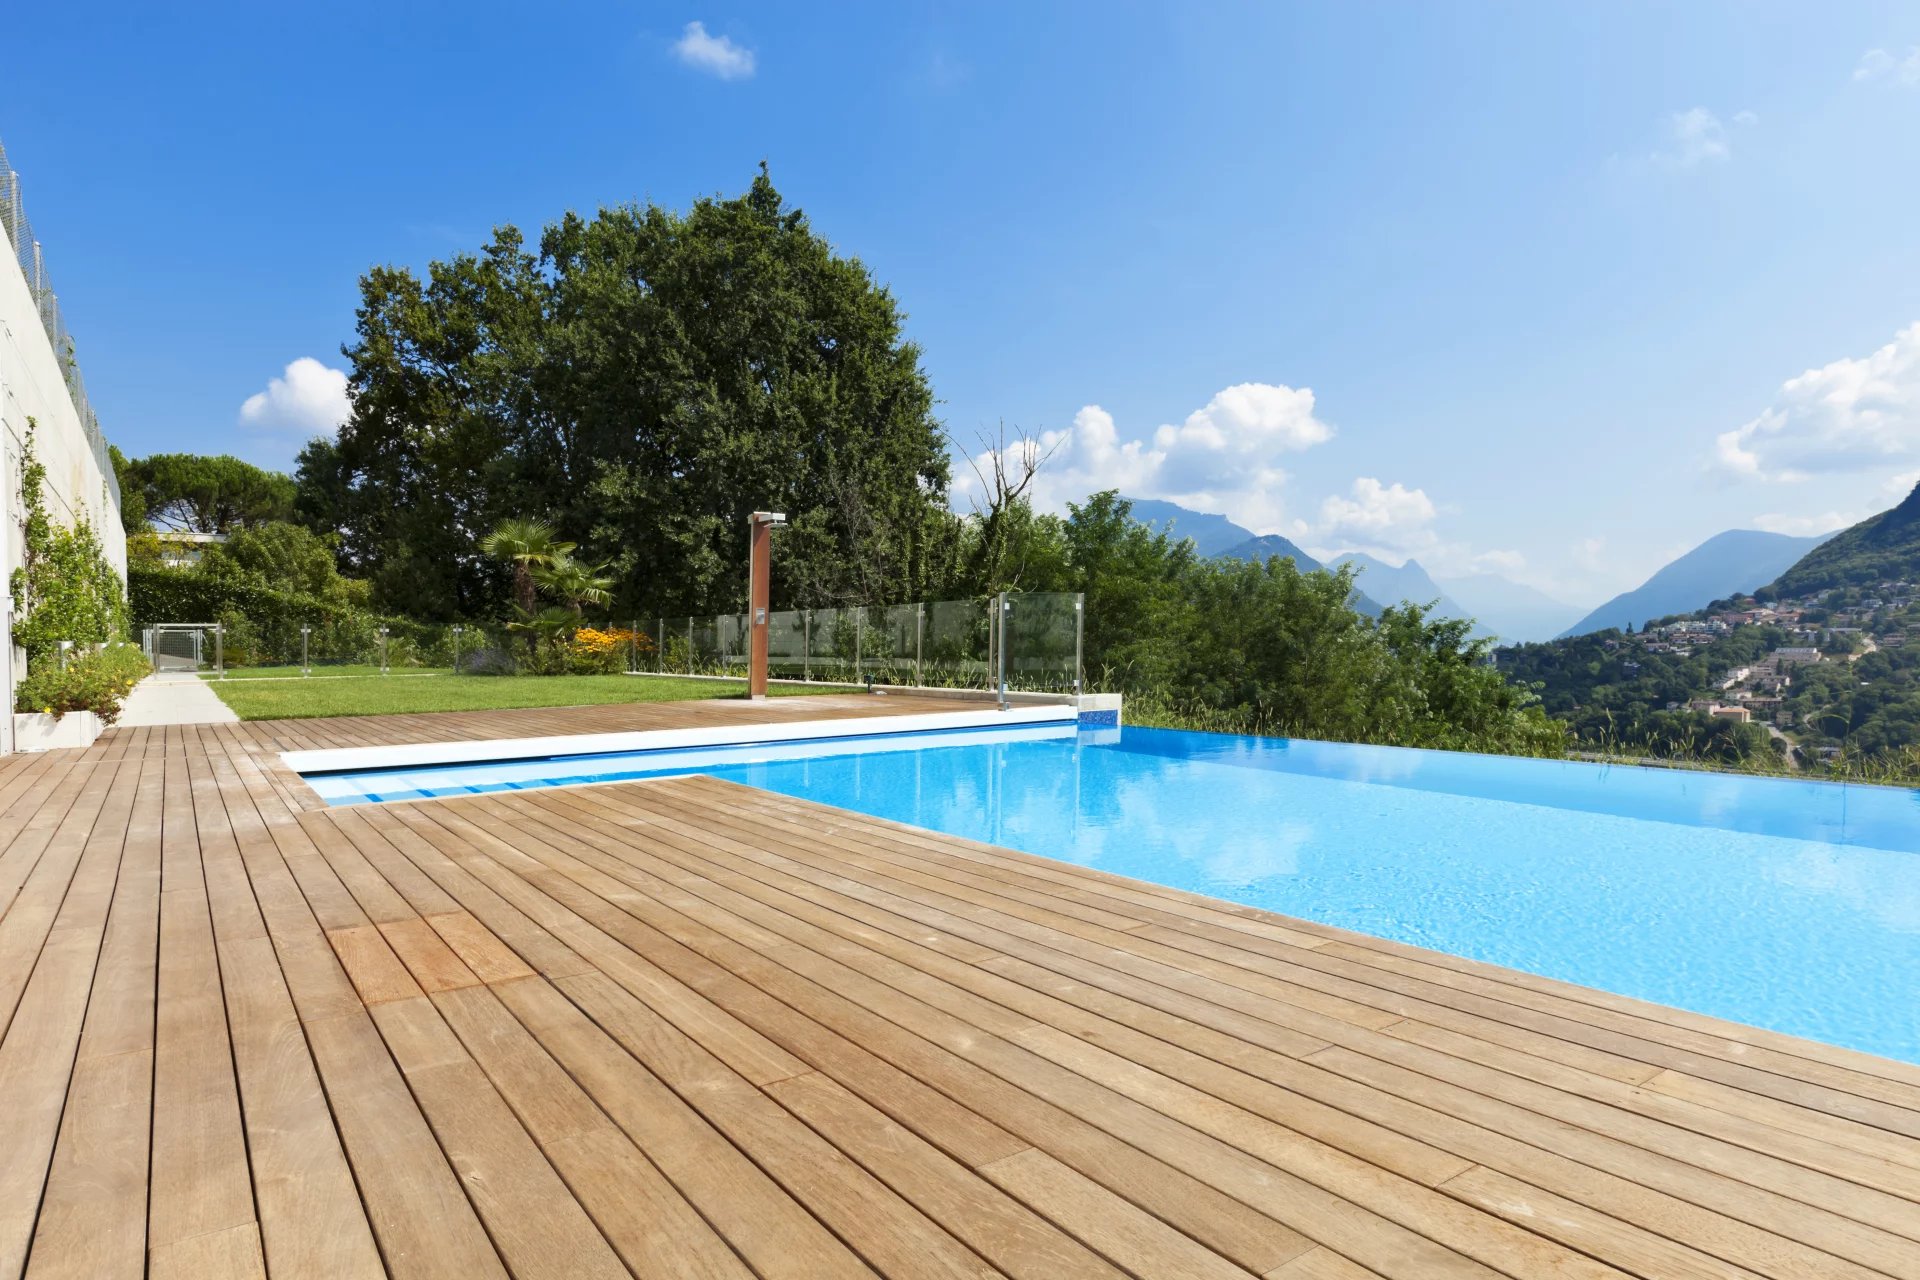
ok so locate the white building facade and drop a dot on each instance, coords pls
(40, 383)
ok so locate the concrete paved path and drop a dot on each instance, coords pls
(175, 699)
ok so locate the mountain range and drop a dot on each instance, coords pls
(1212, 535)
(1737, 562)
(1727, 564)
(1498, 605)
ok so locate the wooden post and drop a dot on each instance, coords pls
(759, 596)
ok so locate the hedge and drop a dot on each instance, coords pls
(263, 625)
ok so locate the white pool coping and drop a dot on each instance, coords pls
(420, 754)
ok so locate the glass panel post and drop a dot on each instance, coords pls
(806, 644)
(689, 646)
(919, 644)
(306, 664)
(1079, 637)
(383, 651)
(220, 650)
(859, 625)
(1006, 606)
(660, 645)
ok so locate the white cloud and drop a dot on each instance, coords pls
(1903, 483)
(1802, 526)
(1694, 137)
(1878, 64)
(715, 55)
(1394, 524)
(306, 400)
(1374, 514)
(1591, 554)
(1851, 415)
(1221, 458)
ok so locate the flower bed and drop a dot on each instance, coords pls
(94, 680)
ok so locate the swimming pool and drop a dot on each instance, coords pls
(1785, 904)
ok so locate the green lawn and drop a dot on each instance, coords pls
(377, 695)
(322, 672)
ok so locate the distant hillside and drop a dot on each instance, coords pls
(1266, 547)
(1517, 613)
(1881, 548)
(1728, 564)
(1211, 534)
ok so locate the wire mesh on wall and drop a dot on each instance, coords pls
(27, 253)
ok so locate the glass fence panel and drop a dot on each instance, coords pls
(677, 654)
(835, 647)
(940, 644)
(731, 634)
(718, 645)
(955, 644)
(1042, 637)
(787, 644)
(703, 639)
(890, 644)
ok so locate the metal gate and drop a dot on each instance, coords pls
(186, 648)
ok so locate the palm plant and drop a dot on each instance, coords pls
(531, 545)
(575, 582)
(543, 625)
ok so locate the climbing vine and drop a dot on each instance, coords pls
(65, 588)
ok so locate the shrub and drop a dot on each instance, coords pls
(95, 680)
(64, 589)
(263, 625)
(592, 651)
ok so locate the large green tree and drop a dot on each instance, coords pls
(642, 379)
(203, 493)
(133, 497)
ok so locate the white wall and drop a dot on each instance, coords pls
(32, 386)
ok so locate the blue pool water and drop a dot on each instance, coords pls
(1790, 905)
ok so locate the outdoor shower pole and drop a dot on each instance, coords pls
(761, 525)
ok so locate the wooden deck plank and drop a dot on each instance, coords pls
(93, 1221)
(772, 1232)
(685, 1028)
(1626, 1198)
(1204, 1209)
(656, 1232)
(419, 1214)
(66, 918)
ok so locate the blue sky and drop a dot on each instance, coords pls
(1535, 288)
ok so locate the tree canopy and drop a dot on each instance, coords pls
(640, 379)
(200, 493)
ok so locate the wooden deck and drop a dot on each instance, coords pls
(687, 1029)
